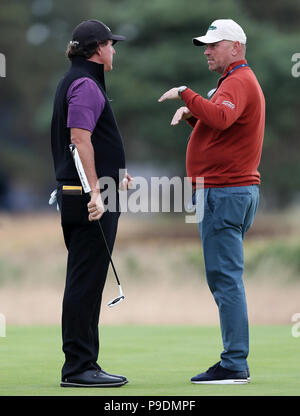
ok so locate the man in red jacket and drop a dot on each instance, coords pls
(225, 150)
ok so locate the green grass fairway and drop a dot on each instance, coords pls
(158, 361)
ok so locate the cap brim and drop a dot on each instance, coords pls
(203, 40)
(116, 38)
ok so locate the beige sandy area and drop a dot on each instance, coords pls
(159, 268)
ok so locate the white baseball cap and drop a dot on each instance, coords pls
(222, 29)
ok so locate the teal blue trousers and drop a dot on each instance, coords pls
(228, 214)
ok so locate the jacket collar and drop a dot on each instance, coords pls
(230, 68)
(233, 64)
(93, 68)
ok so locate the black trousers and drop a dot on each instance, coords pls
(87, 268)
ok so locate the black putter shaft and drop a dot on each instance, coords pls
(108, 251)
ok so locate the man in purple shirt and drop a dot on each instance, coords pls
(82, 115)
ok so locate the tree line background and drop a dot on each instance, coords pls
(157, 55)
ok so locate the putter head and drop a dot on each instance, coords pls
(115, 301)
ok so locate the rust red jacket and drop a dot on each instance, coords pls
(226, 143)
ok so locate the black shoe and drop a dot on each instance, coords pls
(220, 375)
(93, 378)
(113, 375)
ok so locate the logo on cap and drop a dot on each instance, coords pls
(106, 26)
(211, 27)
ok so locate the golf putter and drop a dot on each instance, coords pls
(87, 189)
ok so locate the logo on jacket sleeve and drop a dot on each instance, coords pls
(229, 104)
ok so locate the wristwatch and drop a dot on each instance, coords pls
(181, 89)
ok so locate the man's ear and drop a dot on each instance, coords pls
(236, 48)
(99, 50)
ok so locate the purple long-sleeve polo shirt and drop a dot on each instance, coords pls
(85, 104)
